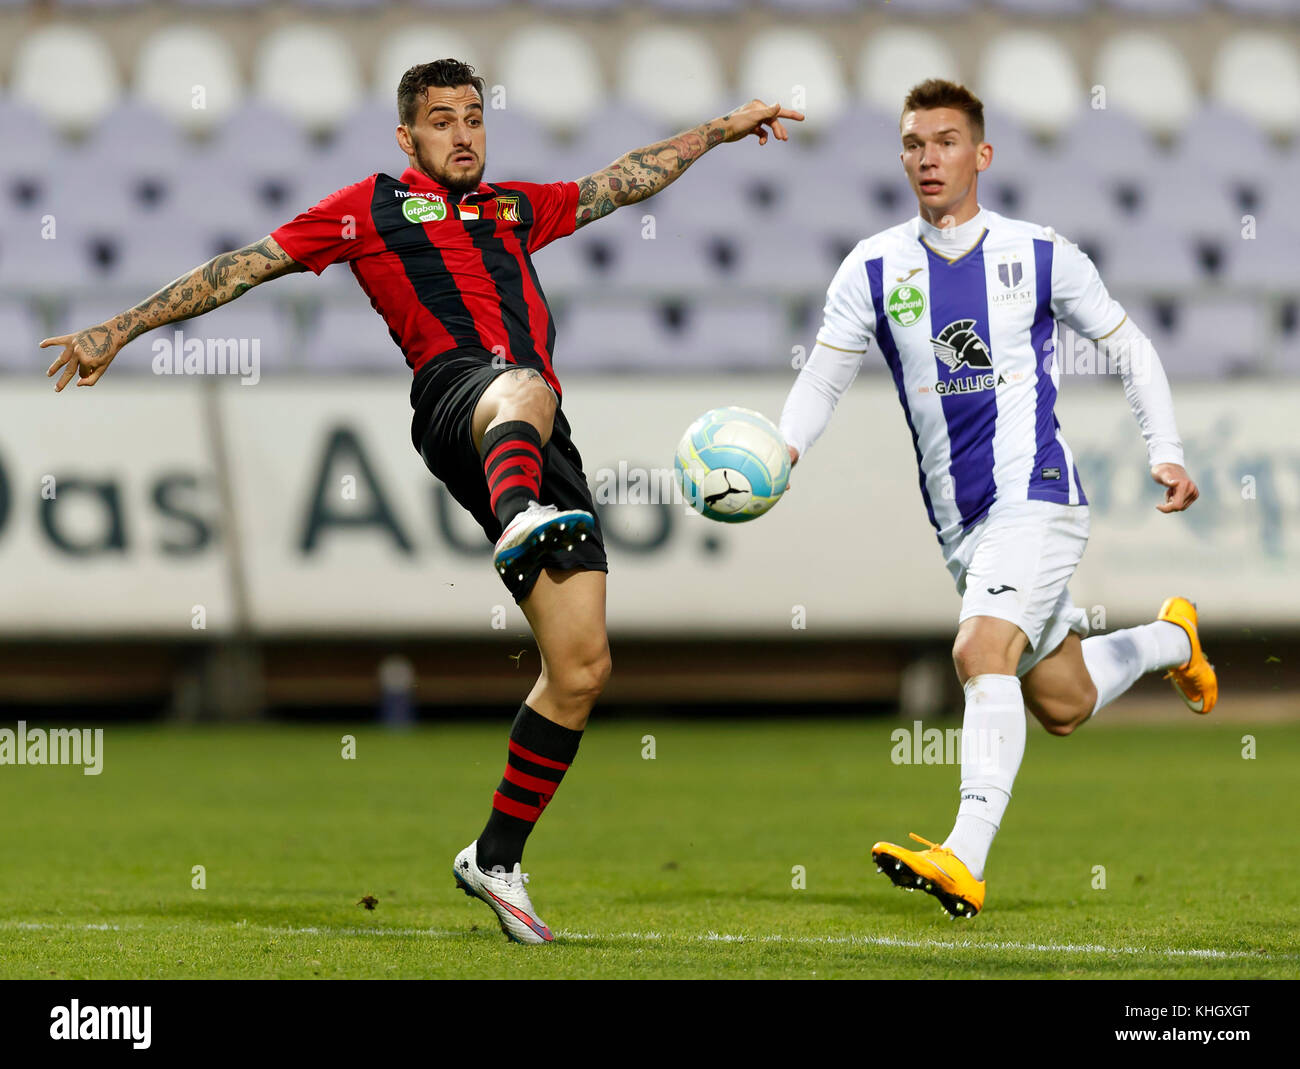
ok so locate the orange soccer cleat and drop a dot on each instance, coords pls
(936, 871)
(1195, 681)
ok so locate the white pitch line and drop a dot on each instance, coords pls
(717, 937)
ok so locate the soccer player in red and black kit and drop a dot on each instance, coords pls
(445, 258)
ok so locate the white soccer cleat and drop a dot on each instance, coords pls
(535, 530)
(506, 895)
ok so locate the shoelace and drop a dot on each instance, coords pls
(933, 846)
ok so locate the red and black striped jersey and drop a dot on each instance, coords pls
(446, 273)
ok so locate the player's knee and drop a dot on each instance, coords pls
(527, 395)
(582, 679)
(971, 656)
(1062, 718)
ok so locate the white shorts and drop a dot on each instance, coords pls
(1016, 564)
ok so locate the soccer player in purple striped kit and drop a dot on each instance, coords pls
(963, 305)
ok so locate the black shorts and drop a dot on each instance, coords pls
(444, 395)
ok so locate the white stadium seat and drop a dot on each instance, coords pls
(551, 73)
(421, 42)
(1258, 74)
(309, 72)
(189, 74)
(894, 60)
(799, 69)
(1031, 75)
(672, 74)
(1147, 76)
(67, 73)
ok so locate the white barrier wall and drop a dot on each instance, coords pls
(337, 527)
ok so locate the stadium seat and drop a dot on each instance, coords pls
(625, 335)
(173, 61)
(365, 142)
(607, 135)
(730, 333)
(1069, 198)
(1159, 7)
(551, 74)
(864, 141)
(699, 7)
(461, 5)
(1264, 7)
(895, 59)
(799, 69)
(420, 42)
(350, 336)
(148, 177)
(67, 73)
(1225, 149)
(1016, 153)
(1209, 338)
(519, 148)
(27, 164)
(1045, 7)
(1108, 142)
(780, 257)
(21, 328)
(309, 72)
(1030, 75)
(576, 6)
(1147, 76)
(1258, 74)
(679, 263)
(1267, 261)
(1201, 205)
(672, 74)
(813, 7)
(1145, 257)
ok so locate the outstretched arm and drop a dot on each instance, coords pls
(1131, 353)
(643, 172)
(221, 279)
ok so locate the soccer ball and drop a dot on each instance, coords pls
(732, 464)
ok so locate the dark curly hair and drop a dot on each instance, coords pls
(440, 74)
(937, 93)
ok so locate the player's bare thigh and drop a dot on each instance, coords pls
(987, 645)
(566, 610)
(519, 394)
(1058, 690)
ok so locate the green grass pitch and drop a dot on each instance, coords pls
(680, 866)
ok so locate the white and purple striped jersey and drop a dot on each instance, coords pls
(966, 320)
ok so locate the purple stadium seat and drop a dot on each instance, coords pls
(1046, 7)
(627, 335)
(748, 334)
(351, 336)
(1264, 7)
(1159, 7)
(21, 329)
(1210, 338)
(1142, 257)
(1228, 145)
(1109, 142)
(1266, 261)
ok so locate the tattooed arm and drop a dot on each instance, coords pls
(221, 279)
(645, 171)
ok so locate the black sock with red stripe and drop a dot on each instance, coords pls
(540, 753)
(512, 462)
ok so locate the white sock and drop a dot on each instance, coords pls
(1115, 661)
(993, 743)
